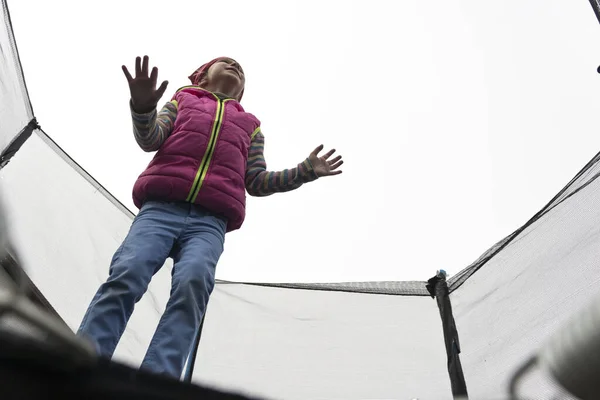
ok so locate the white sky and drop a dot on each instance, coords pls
(457, 120)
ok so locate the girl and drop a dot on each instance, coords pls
(209, 153)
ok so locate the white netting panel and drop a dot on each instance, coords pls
(508, 308)
(302, 344)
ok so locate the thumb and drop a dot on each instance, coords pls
(161, 90)
(317, 150)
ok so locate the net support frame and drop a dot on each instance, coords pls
(596, 7)
(17, 142)
(438, 289)
(189, 371)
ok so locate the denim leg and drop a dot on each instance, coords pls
(195, 257)
(142, 253)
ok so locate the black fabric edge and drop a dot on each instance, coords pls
(17, 59)
(327, 288)
(81, 171)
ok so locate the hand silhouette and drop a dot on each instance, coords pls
(322, 165)
(144, 95)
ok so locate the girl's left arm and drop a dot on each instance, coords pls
(260, 182)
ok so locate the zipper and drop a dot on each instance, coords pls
(210, 150)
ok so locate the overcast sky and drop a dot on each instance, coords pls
(457, 120)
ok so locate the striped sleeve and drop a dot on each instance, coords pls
(260, 182)
(152, 129)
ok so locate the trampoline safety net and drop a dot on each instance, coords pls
(371, 340)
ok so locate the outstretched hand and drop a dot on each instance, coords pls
(322, 165)
(144, 95)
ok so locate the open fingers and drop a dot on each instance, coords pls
(145, 66)
(336, 165)
(336, 159)
(154, 76)
(317, 151)
(138, 66)
(328, 154)
(127, 74)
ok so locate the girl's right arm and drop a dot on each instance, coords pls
(152, 129)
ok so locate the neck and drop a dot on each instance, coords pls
(225, 89)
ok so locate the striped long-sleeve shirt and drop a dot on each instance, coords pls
(153, 128)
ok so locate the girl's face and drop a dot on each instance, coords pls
(226, 75)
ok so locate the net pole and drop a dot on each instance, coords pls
(596, 6)
(438, 288)
(17, 142)
(189, 371)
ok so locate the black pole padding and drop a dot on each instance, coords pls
(438, 288)
(596, 7)
(187, 377)
(17, 142)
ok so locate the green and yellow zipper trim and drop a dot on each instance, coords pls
(210, 150)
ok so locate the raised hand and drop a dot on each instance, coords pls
(144, 95)
(322, 165)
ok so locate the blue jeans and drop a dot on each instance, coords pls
(194, 238)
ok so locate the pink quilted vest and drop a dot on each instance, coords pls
(203, 161)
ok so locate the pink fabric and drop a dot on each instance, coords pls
(171, 173)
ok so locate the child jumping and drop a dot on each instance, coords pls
(209, 152)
